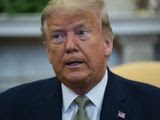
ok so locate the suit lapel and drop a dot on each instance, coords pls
(114, 105)
(48, 106)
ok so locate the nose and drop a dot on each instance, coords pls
(71, 43)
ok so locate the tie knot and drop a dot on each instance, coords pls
(82, 101)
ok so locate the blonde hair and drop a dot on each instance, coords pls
(73, 6)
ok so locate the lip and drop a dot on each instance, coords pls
(74, 63)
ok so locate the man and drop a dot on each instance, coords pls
(78, 40)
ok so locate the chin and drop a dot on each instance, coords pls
(77, 77)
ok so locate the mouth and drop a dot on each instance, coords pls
(74, 63)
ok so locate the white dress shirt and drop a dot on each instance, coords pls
(95, 95)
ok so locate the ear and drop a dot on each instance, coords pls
(108, 43)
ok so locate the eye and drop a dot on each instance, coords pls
(58, 37)
(83, 33)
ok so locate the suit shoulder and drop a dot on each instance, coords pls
(17, 100)
(25, 91)
(27, 87)
(140, 96)
(138, 85)
(138, 89)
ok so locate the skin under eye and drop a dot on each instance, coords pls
(83, 33)
(58, 37)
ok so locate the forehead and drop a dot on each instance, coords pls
(65, 18)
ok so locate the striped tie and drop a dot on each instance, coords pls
(82, 102)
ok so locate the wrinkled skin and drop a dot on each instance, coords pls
(77, 48)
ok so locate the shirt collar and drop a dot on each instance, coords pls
(68, 97)
(98, 90)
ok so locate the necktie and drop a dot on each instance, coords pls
(82, 102)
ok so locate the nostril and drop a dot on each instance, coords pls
(71, 50)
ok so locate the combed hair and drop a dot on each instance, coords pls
(73, 6)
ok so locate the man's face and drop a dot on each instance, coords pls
(77, 49)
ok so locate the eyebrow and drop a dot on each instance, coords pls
(55, 28)
(82, 23)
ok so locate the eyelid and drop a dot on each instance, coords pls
(61, 36)
(86, 33)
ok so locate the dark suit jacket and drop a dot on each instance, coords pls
(42, 100)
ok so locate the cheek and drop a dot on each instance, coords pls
(56, 60)
(51, 55)
(54, 55)
(95, 53)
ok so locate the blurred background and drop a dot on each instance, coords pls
(135, 23)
